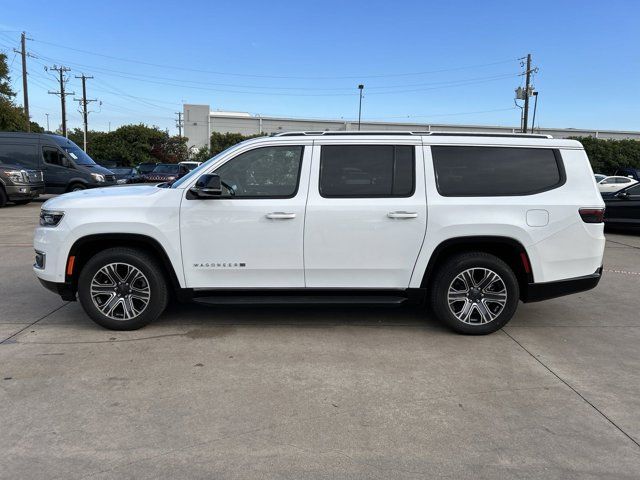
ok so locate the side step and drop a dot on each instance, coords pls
(306, 299)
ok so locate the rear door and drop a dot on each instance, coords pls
(366, 213)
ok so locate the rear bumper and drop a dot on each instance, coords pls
(65, 290)
(536, 292)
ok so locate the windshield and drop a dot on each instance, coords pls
(166, 169)
(78, 156)
(203, 167)
(146, 167)
(122, 171)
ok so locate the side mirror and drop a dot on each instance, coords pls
(623, 195)
(208, 186)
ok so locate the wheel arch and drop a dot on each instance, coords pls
(508, 249)
(86, 247)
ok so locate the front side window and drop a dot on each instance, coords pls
(634, 191)
(496, 171)
(53, 156)
(267, 172)
(367, 171)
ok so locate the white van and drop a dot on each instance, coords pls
(471, 223)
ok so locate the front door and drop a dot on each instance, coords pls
(250, 237)
(366, 214)
(624, 210)
(56, 169)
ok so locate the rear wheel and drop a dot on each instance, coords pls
(475, 293)
(122, 289)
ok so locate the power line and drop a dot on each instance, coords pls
(184, 83)
(236, 74)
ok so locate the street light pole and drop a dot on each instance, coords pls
(535, 107)
(360, 87)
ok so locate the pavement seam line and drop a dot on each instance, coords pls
(573, 389)
(625, 244)
(33, 323)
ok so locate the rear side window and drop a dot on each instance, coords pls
(495, 171)
(19, 154)
(367, 171)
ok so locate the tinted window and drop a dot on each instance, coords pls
(24, 155)
(635, 190)
(486, 171)
(622, 180)
(271, 172)
(164, 168)
(367, 170)
(53, 156)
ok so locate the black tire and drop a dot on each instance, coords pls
(3, 197)
(22, 202)
(152, 276)
(76, 187)
(475, 304)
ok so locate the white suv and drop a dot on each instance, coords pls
(471, 223)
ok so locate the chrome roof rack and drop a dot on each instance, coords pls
(418, 133)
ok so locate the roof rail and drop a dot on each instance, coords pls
(418, 133)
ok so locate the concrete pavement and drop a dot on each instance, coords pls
(275, 392)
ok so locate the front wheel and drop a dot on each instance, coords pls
(122, 289)
(475, 293)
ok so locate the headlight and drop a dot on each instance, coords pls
(98, 177)
(50, 218)
(17, 176)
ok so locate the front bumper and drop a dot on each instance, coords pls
(21, 192)
(536, 292)
(65, 290)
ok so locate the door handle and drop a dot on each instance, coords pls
(281, 216)
(402, 215)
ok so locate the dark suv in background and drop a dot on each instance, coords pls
(65, 166)
(19, 185)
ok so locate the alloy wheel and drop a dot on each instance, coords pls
(120, 291)
(477, 296)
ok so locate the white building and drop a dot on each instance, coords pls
(200, 121)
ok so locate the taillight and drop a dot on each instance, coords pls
(592, 215)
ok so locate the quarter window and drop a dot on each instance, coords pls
(367, 171)
(493, 171)
(267, 172)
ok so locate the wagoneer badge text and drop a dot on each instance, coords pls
(220, 265)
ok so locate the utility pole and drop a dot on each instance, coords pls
(360, 87)
(528, 91)
(84, 101)
(25, 92)
(179, 123)
(61, 70)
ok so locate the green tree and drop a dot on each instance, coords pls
(222, 141)
(12, 117)
(606, 156)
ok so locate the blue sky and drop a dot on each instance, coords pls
(431, 62)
